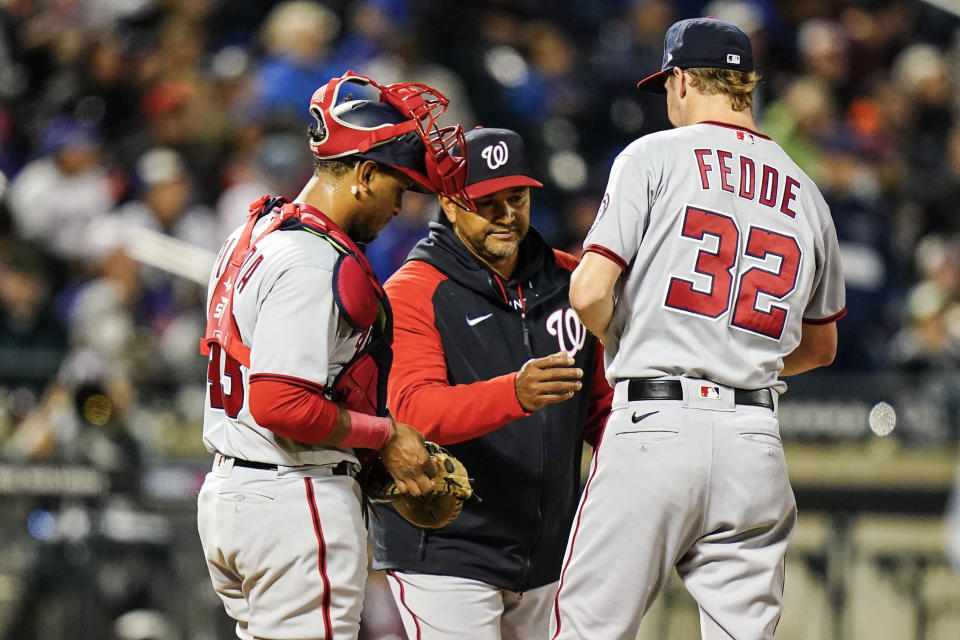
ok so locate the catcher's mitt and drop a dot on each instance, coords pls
(451, 488)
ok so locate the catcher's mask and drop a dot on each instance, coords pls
(393, 124)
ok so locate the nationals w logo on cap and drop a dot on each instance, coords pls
(496, 155)
(497, 160)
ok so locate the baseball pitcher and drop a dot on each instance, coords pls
(710, 273)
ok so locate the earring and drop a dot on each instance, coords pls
(353, 189)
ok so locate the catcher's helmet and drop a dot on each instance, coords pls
(395, 125)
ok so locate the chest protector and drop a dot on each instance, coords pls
(361, 384)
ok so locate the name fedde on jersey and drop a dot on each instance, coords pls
(739, 176)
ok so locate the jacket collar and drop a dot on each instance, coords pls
(445, 251)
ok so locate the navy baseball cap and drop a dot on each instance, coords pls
(699, 43)
(497, 160)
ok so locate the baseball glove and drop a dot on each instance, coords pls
(451, 488)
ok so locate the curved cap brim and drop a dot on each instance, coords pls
(655, 83)
(421, 184)
(486, 187)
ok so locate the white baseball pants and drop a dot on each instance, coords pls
(287, 552)
(699, 484)
(451, 608)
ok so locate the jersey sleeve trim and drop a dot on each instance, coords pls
(291, 380)
(828, 319)
(606, 253)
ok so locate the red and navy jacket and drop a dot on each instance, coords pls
(461, 334)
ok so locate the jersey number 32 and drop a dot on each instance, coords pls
(721, 266)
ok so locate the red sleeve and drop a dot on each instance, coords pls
(418, 392)
(601, 397)
(291, 407)
(565, 260)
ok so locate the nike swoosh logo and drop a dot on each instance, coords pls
(475, 321)
(635, 418)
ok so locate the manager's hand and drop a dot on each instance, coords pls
(543, 381)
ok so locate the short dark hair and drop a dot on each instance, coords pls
(336, 167)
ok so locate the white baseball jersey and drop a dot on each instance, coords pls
(284, 308)
(727, 247)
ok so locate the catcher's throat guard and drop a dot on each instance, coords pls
(348, 125)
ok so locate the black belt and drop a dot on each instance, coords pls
(639, 389)
(344, 468)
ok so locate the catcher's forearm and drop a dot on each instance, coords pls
(293, 410)
(363, 430)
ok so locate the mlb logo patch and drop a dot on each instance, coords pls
(733, 58)
(710, 393)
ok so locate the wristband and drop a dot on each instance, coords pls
(367, 432)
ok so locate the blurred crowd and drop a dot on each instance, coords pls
(125, 120)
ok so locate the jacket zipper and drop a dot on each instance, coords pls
(539, 529)
(523, 322)
(525, 576)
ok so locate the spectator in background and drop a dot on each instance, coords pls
(802, 120)
(103, 312)
(823, 48)
(630, 40)
(176, 114)
(937, 190)
(851, 189)
(930, 340)
(33, 340)
(297, 36)
(373, 26)
(275, 166)
(54, 198)
(405, 59)
(166, 201)
(920, 71)
(169, 305)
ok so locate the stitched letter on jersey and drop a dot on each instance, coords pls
(565, 325)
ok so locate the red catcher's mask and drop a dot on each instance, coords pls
(392, 124)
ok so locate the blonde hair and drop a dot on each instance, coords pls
(736, 85)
